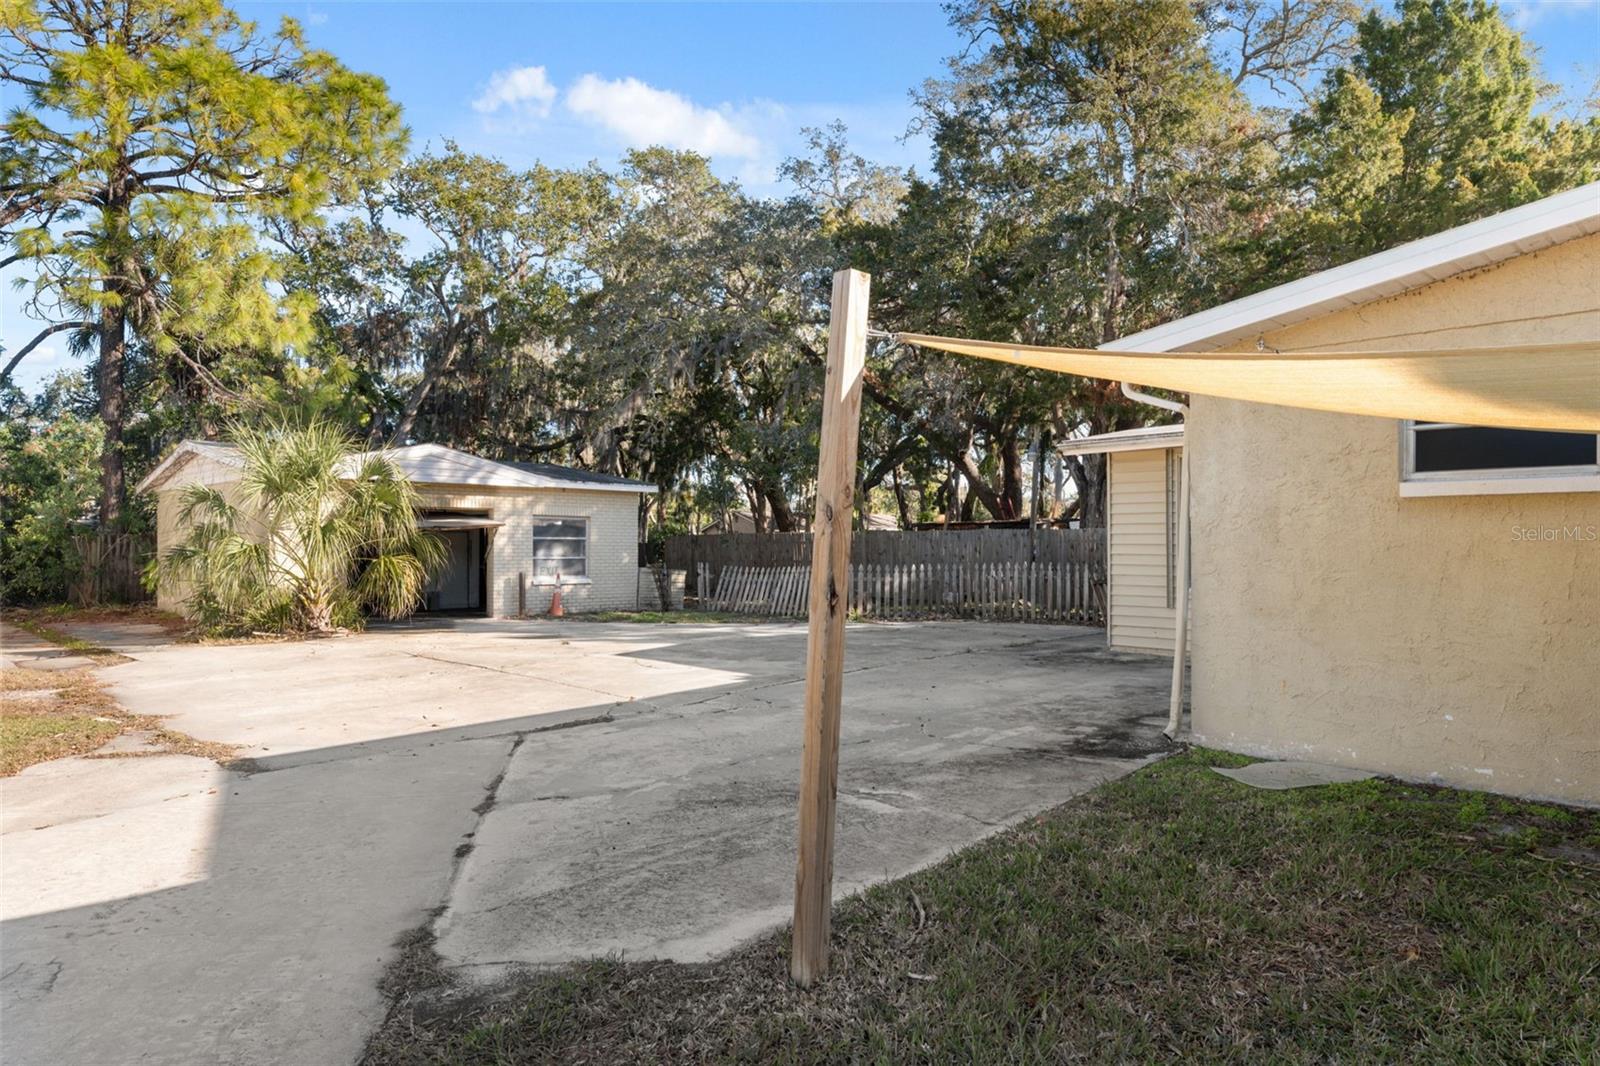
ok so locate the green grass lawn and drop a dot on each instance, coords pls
(1172, 915)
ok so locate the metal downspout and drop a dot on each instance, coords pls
(1180, 637)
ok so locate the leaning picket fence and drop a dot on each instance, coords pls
(1004, 591)
(111, 568)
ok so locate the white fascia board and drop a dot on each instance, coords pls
(534, 481)
(438, 465)
(180, 456)
(1134, 440)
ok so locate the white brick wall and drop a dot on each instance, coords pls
(613, 519)
(650, 593)
(169, 502)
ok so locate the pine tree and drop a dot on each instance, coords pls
(1434, 122)
(153, 138)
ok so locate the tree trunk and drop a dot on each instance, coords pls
(1089, 476)
(1041, 441)
(432, 371)
(754, 492)
(782, 514)
(1010, 479)
(900, 500)
(658, 570)
(969, 504)
(316, 608)
(981, 491)
(413, 405)
(109, 374)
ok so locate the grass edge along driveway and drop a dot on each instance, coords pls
(1170, 914)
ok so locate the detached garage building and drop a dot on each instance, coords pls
(512, 528)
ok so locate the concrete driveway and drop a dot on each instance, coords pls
(533, 792)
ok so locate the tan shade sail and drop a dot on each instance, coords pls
(1553, 386)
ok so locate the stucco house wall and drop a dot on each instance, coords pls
(1440, 638)
(613, 548)
(1139, 538)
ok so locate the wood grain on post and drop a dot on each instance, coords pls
(828, 606)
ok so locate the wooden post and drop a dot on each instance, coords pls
(830, 565)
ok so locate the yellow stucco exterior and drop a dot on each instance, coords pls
(1453, 639)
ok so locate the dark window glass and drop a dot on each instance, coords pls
(558, 528)
(1477, 448)
(560, 546)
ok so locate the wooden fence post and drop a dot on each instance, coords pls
(828, 607)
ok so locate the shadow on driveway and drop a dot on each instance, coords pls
(543, 791)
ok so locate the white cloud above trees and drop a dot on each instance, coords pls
(639, 115)
(525, 89)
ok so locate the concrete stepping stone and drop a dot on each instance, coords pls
(133, 742)
(18, 647)
(1278, 776)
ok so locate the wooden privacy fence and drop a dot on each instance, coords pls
(110, 568)
(1045, 575)
(1022, 592)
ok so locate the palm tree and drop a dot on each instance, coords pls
(312, 537)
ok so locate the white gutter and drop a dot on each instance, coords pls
(1180, 636)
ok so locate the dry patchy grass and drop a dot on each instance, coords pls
(141, 613)
(48, 714)
(51, 714)
(1174, 915)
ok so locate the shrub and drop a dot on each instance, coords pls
(313, 537)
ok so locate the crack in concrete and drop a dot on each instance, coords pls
(487, 803)
(25, 970)
(616, 697)
(667, 712)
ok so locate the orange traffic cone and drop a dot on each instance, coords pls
(555, 600)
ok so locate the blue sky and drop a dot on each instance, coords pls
(565, 83)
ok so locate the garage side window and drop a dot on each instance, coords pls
(561, 546)
(1494, 460)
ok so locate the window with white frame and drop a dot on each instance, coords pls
(1448, 455)
(561, 546)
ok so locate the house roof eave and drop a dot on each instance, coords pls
(1474, 246)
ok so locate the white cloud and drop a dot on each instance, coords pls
(41, 366)
(642, 115)
(520, 88)
(1525, 13)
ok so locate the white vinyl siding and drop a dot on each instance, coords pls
(1140, 526)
